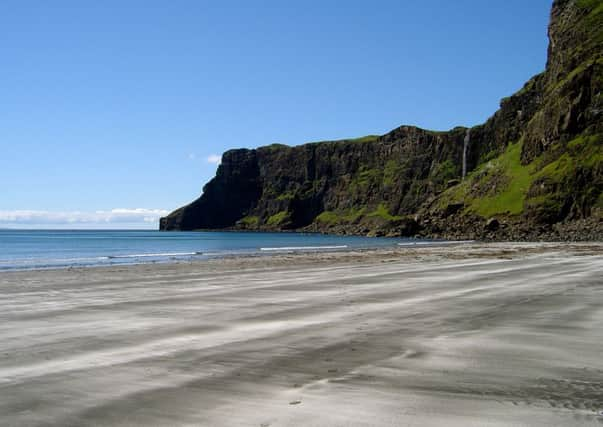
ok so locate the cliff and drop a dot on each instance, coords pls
(533, 170)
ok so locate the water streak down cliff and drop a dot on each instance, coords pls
(465, 147)
(535, 163)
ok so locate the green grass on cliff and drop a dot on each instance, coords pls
(349, 216)
(445, 171)
(587, 148)
(366, 138)
(501, 186)
(572, 181)
(354, 215)
(368, 176)
(383, 212)
(497, 187)
(590, 4)
(278, 218)
(328, 217)
(583, 152)
(589, 30)
(578, 71)
(250, 221)
(289, 195)
(592, 21)
(391, 172)
(274, 147)
(511, 197)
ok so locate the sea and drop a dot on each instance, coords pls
(44, 249)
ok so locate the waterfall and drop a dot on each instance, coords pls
(465, 145)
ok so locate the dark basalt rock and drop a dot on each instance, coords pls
(492, 224)
(452, 208)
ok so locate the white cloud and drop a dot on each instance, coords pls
(114, 218)
(192, 156)
(214, 159)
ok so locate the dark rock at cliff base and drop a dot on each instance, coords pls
(536, 165)
(451, 209)
(492, 224)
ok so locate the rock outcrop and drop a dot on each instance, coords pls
(533, 169)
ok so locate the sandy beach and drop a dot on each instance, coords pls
(462, 335)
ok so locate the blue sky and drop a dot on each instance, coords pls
(117, 105)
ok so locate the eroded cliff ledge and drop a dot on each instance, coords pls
(533, 170)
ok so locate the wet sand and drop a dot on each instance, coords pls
(463, 335)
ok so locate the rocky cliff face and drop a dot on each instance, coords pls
(534, 169)
(371, 181)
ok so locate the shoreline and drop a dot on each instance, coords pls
(327, 255)
(201, 256)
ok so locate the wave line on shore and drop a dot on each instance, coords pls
(453, 242)
(155, 255)
(304, 248)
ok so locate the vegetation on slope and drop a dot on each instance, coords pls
(544, 189)
(497, 187)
